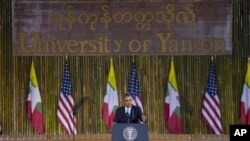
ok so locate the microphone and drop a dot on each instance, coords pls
(79, 104)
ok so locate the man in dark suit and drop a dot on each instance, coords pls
(129, 113)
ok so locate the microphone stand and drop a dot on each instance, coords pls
(190, 110)
(192, 122)
(75, 109)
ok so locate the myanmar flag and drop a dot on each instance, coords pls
(172, 114)
(245, 99)
(110, 103)
(34, 103)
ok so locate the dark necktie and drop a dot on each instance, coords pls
(127, 116)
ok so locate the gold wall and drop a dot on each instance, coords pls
(89, 76)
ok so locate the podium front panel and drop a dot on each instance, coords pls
(130, 132)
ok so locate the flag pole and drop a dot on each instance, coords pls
(74, 129)
(66, 57)
(73, 115)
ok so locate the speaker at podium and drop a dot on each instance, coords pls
(129, 132)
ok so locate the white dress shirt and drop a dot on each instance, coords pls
(127, 110)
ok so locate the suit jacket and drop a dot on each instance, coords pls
(134, 117)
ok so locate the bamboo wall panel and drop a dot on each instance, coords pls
(89, 78)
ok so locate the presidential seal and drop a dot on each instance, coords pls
(130, 133)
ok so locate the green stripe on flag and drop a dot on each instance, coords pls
(178, 111)
(114, 108)
(39, 107)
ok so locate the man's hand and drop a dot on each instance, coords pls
(143, 117)
(113, 123)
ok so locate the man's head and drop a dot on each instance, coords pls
(127, 100)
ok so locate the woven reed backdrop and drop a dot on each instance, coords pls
(89, 78)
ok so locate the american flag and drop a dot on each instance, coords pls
(133, 87)
(211, 103)
(66, 104)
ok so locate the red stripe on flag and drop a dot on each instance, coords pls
(216, 102)
(28, 109)
(216, 126)
(166, 112)
(37, 118)
(244, 114)
(69, 111)
(210, 114)
(213, 108)
(67, 114)
(174, 122)
(60, 121)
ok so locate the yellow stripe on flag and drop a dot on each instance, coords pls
(33, 76)
(111, 77)
(172, 77)
(248, 74)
